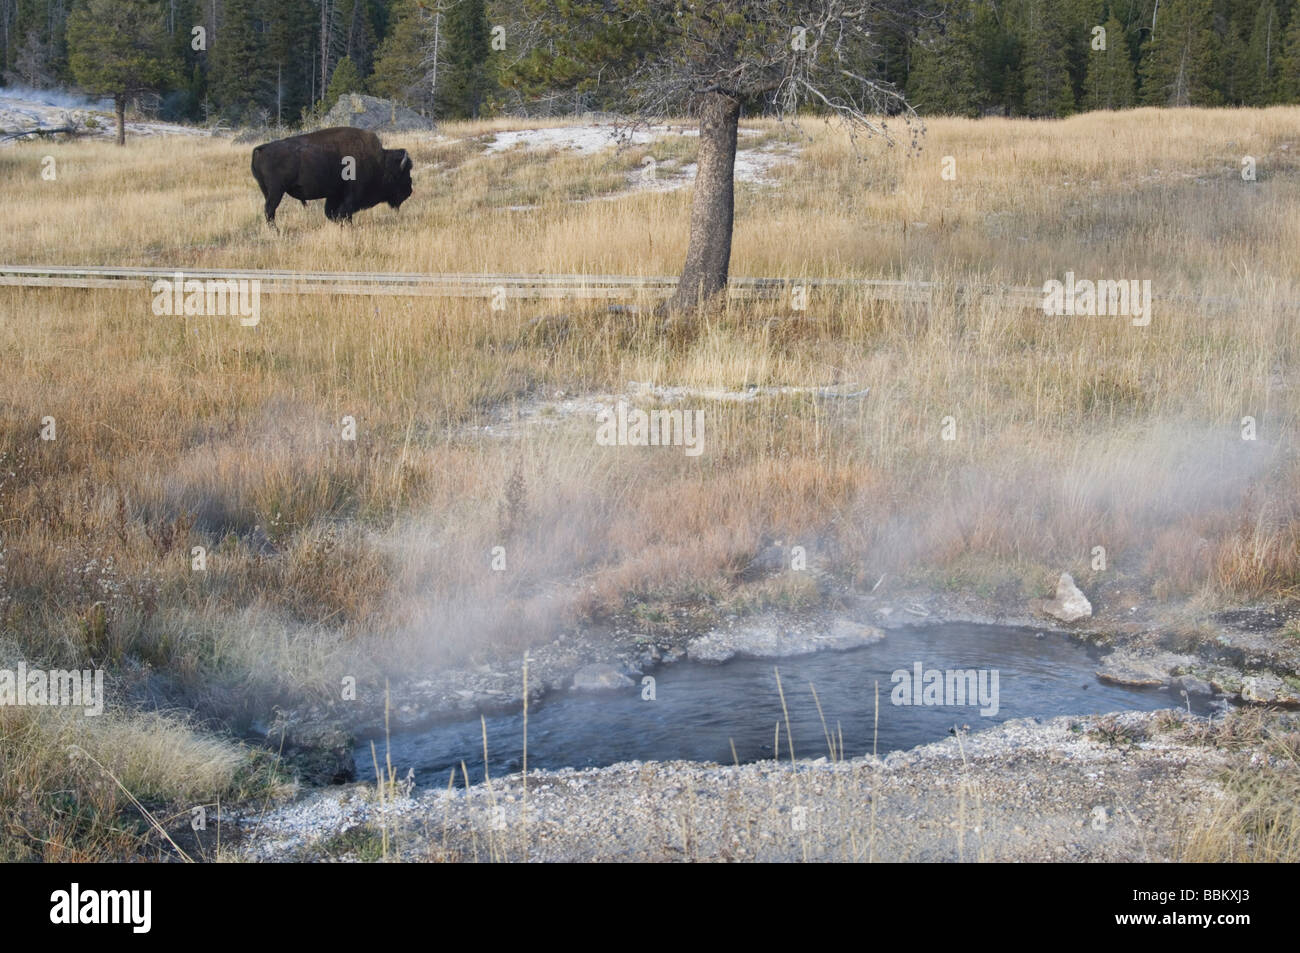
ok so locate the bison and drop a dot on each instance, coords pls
(346, 167)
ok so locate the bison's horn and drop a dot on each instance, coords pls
(406, 160)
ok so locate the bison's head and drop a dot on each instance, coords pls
(397, 177)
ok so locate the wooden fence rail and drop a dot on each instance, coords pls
(572, 286)
(612, 287)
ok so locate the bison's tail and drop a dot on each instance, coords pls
(257, 172)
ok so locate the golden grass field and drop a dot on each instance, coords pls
(328, 555)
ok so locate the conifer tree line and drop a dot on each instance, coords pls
(1055, 57)
(283, 61)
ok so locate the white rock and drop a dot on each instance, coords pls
(599, 677)
(1070, 603)
(767, 638)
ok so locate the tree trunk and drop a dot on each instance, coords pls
(324, 47)
(708, 256)
(119, 103)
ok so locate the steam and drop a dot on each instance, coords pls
(55, 98)
(1119, 491)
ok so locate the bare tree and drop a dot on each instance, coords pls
(33, 64)
(714, 59)
(431, 58)
(333, 42)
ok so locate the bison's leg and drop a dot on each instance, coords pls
(273, 196)
(339, 208)
(349, 203)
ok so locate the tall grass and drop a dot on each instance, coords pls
(327, 556)
(118, 785)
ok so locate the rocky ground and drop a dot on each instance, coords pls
(1090, 789)
(755, 164)
(1110, 788)
(22, 110)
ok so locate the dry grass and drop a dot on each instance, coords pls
(1158, 191)
(324, 555)
(1258, 819)
(64, 782)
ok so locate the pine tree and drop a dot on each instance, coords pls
(566, 55)
(235, 76)
(1288, 73)
(464, 82)
(1262, 60)
(288, 57)
(1236, 17)
(1079, 20)
(1110, 83)
(998, 81)
(1045, 64)
(404, 63)
(345, 80)
(119, 48)
(185, 101)
(942, 78)
(1181, 67)
(356, 19)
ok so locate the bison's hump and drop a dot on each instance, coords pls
(337, 140)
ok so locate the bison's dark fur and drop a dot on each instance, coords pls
(312, 166)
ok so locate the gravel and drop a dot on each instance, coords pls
(1023, 791)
